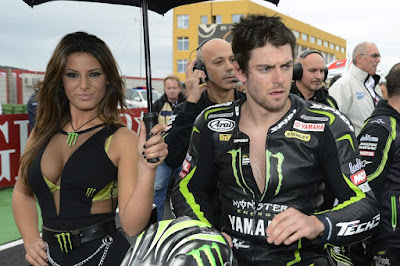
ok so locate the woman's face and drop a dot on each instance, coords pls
(84, 82)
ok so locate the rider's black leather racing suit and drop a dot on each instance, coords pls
(310, 150)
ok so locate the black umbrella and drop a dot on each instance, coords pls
(159, 6)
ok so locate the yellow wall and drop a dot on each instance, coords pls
(226, 9)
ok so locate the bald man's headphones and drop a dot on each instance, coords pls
(199, 64)
(298, 68)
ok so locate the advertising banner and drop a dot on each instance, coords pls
(209, 31)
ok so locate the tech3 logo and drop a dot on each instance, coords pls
(208, 251)
(273, 161)
(64, 240)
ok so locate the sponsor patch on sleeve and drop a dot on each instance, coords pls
(308, 126)
(297, 135)
(224, 137)
(365, 187)
(182, 175)
(186, 166)
(221, 125)
(359, 177)
(370, 138)
(367, 153)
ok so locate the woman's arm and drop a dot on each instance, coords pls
(136, 176)
(26, 218)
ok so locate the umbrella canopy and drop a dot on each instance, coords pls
(159, 6)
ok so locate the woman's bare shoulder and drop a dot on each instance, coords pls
(125, 135)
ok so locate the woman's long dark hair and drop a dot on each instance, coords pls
(53, 105)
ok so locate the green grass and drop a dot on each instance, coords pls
(8, 229)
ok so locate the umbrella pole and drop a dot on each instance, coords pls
(147, 55)
(150, 118)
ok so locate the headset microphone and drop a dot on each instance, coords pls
(235, 80)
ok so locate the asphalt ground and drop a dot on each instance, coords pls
(12, 251)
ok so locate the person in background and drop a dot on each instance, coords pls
(81, 162)
(269, 157)
(357, 91)
(164, 106)
(240, 87)
(32, 106)
(309, 73)
(169, 100)
(379, 144)
(213, 82)
(183, 89)
(383, 87)
(334, 79)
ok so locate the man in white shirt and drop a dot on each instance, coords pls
(357, 92)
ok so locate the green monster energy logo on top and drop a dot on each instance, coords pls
(72, 137)
(207, 249)
(64, 240)
(90, 192)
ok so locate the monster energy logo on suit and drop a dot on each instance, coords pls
(64, 240)
(253, 225)
(237, 169)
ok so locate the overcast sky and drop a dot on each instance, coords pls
(28, 36)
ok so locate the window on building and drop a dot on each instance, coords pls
(204, 20)
(337, 48)
(312, 39)
(296, 34)
(332, 46)
(183, 21)
(217, 19)
(342, 49)
(183, 43)
(326, 44)
(182, 65)
(236, 17)
(319, 41)
(304, 37)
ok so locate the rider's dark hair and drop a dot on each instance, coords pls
(254, 31)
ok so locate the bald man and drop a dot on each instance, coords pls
(309, 73)
(212, 83)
